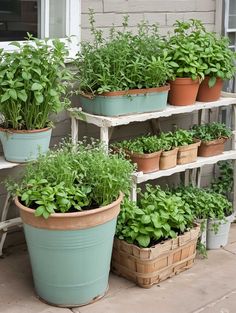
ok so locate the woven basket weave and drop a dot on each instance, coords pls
(149, 266)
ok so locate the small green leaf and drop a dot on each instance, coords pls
(36, 86)
(212, 81)
(143, 240)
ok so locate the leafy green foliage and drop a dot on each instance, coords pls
(73, 178)
(32, 80)
(182, 137)
(157, 216)
(211, 131)
(123, 61)
(224, 183)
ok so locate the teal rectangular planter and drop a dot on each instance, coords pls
(71, 267)
(126, 102)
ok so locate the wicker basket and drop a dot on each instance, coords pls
(149, 266)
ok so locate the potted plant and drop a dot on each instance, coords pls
(69, 200)
(168, 158)
(32, 81)
(145, 151)
(188, 68)
(188, 146)
(155, 238)
(213, 137)
(124, 73)
(224, 182)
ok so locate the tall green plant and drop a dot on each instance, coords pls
(33, 83)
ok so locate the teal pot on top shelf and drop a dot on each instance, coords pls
(21, 146)
(126, 102)
(70, 253)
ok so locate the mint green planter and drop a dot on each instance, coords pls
(23, 146)
(126, 102)
(70, 253)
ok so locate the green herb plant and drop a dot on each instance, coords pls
(182, 137)
(211, 131)
(224, 183)
(72, 178)
(157, 216)
(34, 83)
(122, 61)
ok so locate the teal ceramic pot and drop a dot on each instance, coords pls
(70, 253)
(126, 102)
(23, 146)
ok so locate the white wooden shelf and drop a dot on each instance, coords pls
(5, 165)
(139, 177)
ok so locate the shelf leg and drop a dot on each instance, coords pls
(3, 218)
(104, 137)
(133, 195)
(233, 121)
(74, 130)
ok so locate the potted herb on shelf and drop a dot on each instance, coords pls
(125, 73)
(169, 153)
(33, 84)
(186, 63)
(213, 137)
(188, 146)
(155, 238)
(69, 200)
(145, 151)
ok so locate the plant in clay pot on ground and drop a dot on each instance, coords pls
(69, 200)
(213, 137)
(124, 73)
(33, 84)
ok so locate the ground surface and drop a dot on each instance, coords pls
(209, 287)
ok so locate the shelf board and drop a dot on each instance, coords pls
(106, 121)
(5, 165)
(139, 177)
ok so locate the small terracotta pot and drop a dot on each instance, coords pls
(213, 147)
(207, 94)
(146, 163)
(183, 91)
(188, 154)
(168, 159)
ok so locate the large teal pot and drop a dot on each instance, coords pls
(70, 253)
(126, 102)
(22, 146)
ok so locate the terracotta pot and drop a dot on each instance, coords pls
(188, 154)
(183, 91)
(207, 94)
(168, 159)
(146, 163)
(213, 147)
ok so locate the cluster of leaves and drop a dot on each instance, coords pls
(32, 80)
(196, 53)
(73, 178)
(211, 131)
(224, 183)
(157, 216)
(122, 61)
(154, 143)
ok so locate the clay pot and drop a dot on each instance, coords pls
(183, 91)
(146, 163)
(208, 94)
(188, 154)
(213, 147)
(168, 159)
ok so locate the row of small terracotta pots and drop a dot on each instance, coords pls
(163, 160)
(185, 91)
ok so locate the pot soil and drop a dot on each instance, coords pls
(146, 163)
(20, 146)
(183, 91)
(188, 154)
(211, 148)
(149, 266)
(168, 159)
(70, 253)
(208, 94)
(132, 101)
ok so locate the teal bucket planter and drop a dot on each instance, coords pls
(21, 146)
(70, 253)
(126, 102)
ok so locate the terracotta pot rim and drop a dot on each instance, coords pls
(72, 214)
(128, 92)
(196, 143)
(184, 81)
(24, 131)
(144, 155)
(170, 152)
(214, 142)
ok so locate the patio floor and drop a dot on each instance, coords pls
(209, 287)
